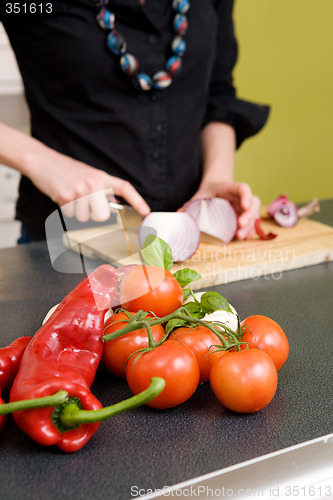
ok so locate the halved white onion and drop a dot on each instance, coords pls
(215, 216)
(179, 229)
(49, 314)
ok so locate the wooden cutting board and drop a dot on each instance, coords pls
(306, 244)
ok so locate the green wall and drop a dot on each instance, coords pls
(286, 60)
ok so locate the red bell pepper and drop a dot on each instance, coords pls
(64, 355)
(53, 400)
(67, 413)
(3, 418)
(10, 358)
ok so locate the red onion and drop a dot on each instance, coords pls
(286, 215)
(178, 229)
(284, 211)
(261, 233)
(309, 209)
(275, 204)
(215, 217)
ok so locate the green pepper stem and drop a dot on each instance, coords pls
(27, 404)
(71, 415)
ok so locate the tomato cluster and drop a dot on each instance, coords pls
(116, 352)
(242, 371)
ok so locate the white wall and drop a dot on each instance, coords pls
(10, 80)
(13, 112)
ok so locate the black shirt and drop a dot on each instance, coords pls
(84, 106)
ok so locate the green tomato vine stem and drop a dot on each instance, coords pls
(139, 320)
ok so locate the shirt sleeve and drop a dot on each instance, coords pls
(247, 118)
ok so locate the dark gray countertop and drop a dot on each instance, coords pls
(150, 449)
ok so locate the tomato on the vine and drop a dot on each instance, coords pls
(213, 354)
(266, 334)
(150, 288)
(244, 381)
(175, 363)
(117, 351)
(199, 340)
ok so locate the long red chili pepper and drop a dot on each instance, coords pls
(64, 355)
(10, 358)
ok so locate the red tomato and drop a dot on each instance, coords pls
(173, 361)
(213, 355)
(199, 340)
(116, 352)
(244, 381)
(266, 334)
(151, 289)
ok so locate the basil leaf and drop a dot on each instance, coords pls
(156, 252)
(213, 301)
(195, 310)
(186, 276)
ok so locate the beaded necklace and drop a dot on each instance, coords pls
(129, 63)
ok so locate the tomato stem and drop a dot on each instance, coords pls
(228, 331)
(151, 340)
(239, 328)
(139, 320)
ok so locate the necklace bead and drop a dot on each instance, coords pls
(173, 65)
(161, 80)
(181, 5)
(106, 19)
(180, 24)
(143, 82)
(116, 43)
(178, 46)
(129, 63)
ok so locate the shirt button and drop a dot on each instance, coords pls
(156, 155)
(159, 127)
(152, 39)
(153, 97)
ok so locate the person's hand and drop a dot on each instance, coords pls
(81, 190)
(240, 195)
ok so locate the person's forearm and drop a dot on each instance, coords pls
(218, 145)
(64, 179)
(18, 150)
